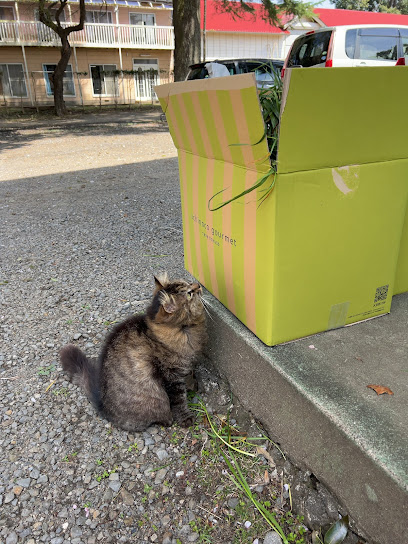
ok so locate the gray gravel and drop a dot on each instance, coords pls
(78, 248)
(89, 212)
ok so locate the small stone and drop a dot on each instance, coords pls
(35, 473)
(114, 477)
(233, 503)
(17, 490)
(76, 531)
(180, 473)
(127, 497)
(162, 454)
(9, 497)
(77, 336)
(24, 482)
(57, 540)
(12, 538)
(160, 475)
(167, 538)
(165, 521)
(115, 485)
(272, 538)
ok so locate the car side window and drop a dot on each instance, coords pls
(351, 37)
(377, 44)
(404, 43)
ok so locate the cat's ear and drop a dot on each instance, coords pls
(161, 281)
(157, 285)
(169, 306)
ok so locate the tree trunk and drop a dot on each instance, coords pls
(54, 23)
(58, 76)
(187, 36)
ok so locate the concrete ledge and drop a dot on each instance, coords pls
(312, 397)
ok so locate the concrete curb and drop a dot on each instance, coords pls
(311, 395)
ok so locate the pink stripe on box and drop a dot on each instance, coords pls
(250, 209)
(201, 124)
(186, 212)
(173, 124)
(226, 228)
(218, 119)
(209, 217)
(242, 128)
(187, 125)
(197, 240)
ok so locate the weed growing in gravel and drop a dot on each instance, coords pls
(203, 528)
(46, 370)
(133, 447)
(105, 474)
(251, 499)
(63, 391)
(70, 457)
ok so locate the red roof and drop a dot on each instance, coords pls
(340, 17)
(224, 22)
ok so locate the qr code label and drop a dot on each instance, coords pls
(381, 294)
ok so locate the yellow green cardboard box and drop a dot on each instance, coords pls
(321, 251)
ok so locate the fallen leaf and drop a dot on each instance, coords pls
(266, 478)
(380, 389)
(267, 455)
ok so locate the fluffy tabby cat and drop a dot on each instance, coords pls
(139, 378)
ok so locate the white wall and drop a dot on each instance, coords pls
(230, 45)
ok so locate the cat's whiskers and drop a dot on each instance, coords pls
(206, 308)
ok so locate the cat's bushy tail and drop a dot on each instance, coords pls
(82, 372)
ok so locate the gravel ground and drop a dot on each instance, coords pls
(89, 212)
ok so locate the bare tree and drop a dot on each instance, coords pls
(50, 15)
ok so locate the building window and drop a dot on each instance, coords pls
(6, 13)
(146, 78)
(142, 19)
(68, 80)
(53, 12)
(104, 80)
(12, 80)
(103, 17)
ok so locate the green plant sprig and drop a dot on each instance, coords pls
(270, 101)
(200, 408)
(238, 479)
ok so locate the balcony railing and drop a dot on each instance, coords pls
(92, 35)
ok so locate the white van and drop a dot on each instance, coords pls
(353, 45)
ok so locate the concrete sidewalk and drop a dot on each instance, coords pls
(312, 397)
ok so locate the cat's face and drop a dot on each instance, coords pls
(177, 302)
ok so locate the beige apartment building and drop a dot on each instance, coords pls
(125, 48)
